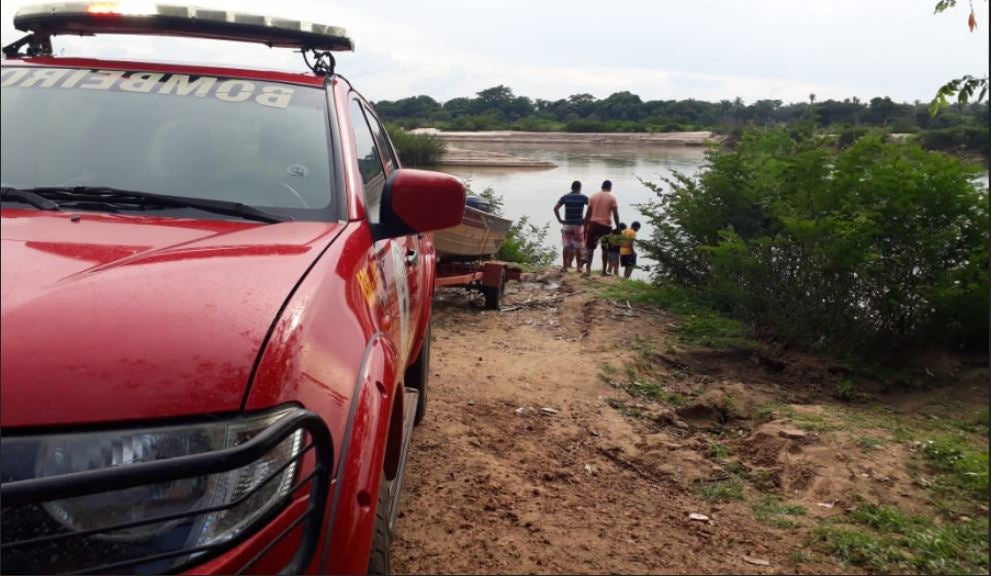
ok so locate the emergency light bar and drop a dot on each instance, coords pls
(145, 18)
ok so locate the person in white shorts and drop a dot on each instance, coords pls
(572, 225)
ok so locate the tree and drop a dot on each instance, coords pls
(582, 104)
(965, 86)
(621, 106)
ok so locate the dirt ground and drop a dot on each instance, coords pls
(539, 456)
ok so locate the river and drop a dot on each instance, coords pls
(534, 191)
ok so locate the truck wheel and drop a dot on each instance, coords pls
(417, 376)
(493, 294)
(378, 560)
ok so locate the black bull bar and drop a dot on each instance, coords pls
(23, 493)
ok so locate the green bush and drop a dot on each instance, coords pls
(416, 149)
(525, 243)
(533, 124)
(847, 135)
(877, 245)
(586, 125)
(968, 138)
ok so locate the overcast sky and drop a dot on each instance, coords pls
(671, 49)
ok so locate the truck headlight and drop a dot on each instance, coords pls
(149, 519)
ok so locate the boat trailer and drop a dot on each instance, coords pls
(487, 277)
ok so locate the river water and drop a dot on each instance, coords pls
(534, 191)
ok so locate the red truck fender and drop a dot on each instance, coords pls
(327, 353)
(354, 497)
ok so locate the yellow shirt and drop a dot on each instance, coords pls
(626, 248)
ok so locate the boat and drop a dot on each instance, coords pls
(478, 236)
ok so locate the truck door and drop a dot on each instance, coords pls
(392, 256)
(415, 274)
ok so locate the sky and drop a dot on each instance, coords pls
(659, 49)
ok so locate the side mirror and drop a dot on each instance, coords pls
(415, 201)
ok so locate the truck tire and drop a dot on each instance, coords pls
(418, 376)
(493, 294)
(378, 559)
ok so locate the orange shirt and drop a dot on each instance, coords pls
(600, 207)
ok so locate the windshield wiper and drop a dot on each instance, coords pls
(36, 200)
(109, 195)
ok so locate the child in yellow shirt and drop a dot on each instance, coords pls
(627, 255)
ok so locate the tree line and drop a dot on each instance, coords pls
(958, 127)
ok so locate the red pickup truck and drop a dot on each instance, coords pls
(216, 296)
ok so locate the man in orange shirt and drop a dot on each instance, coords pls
(601, 206)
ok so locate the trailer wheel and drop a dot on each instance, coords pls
(418, 375)
(493, 294)
(378, 559)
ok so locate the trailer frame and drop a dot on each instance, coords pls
(488, 277)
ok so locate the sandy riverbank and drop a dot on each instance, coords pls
(700, 138)
(460, 151)
(457, 156)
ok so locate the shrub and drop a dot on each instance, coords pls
(877, 245)
(416, 149)
(968, 138)
(586, 125)
(850, 134)
(525, 241)
(525, 244)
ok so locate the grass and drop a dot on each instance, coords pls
(799, 557)
(626, 411)
(845, 391)
(877, 418)
(772, 511)
(954, 453)
(608, 372)
(638, 385)
(646, 390)
(720, 451)
(960, 469)
(763, 480)
(854, 546)
(885, 539)
(976, 422)
(724, 490)
(811, 422)
(867, 443)
(649, 391)
(773, 411)
(700, 324)
(870, 368)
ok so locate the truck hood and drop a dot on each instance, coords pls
(111, 318)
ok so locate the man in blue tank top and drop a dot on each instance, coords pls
(572, 225)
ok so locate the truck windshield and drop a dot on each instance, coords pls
(262, 144)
